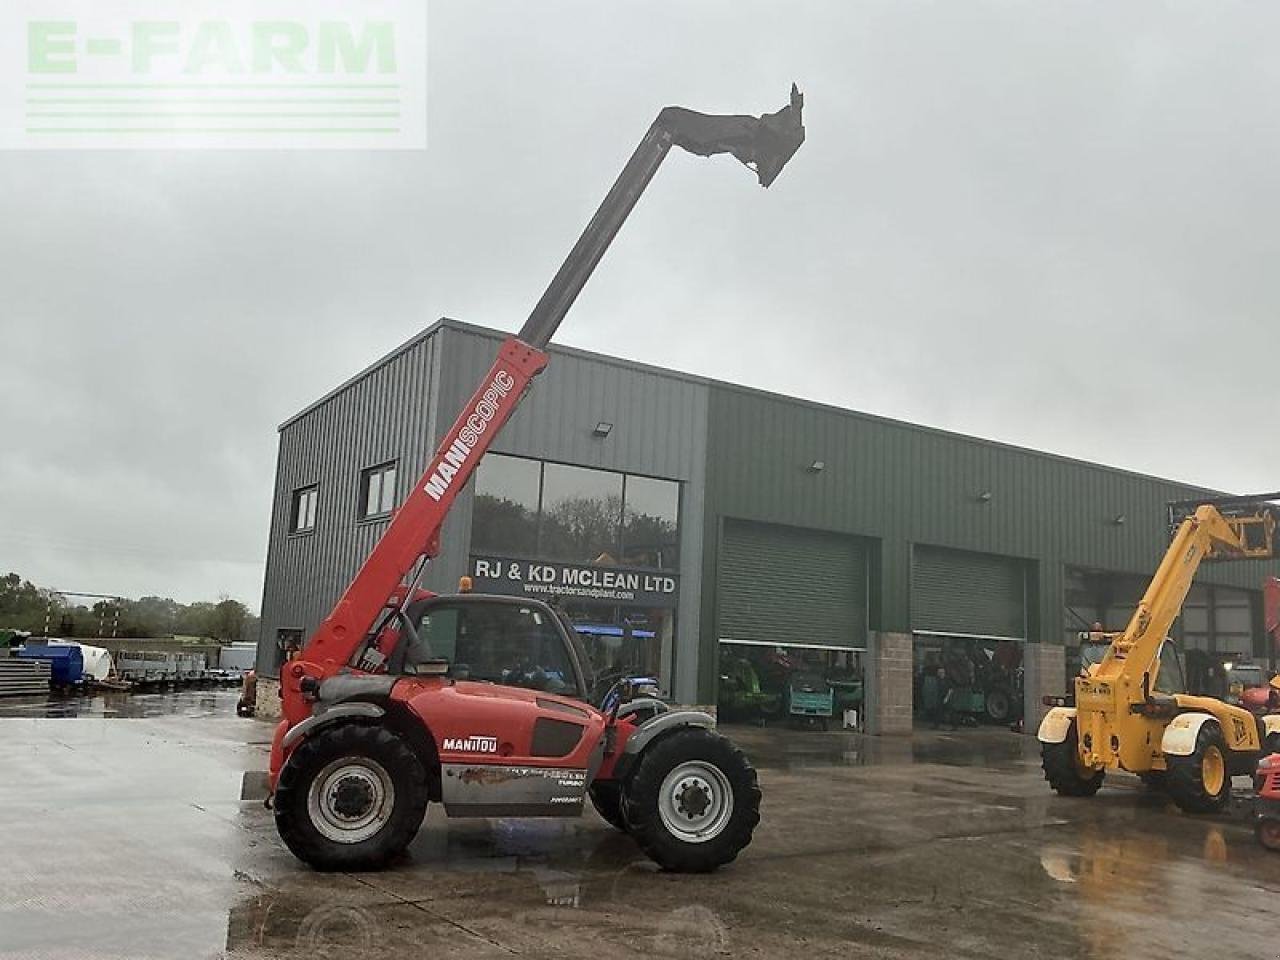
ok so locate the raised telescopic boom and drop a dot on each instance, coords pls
(763, 143)
(1122, 683)
(1211, 532)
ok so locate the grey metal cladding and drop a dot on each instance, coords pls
(384, 414)
(397, 408)
(658, 418)
(659, 429)
(903, 482)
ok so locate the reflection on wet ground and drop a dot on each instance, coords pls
(128, 837)
(194, 703)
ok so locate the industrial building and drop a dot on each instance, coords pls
(696, 528)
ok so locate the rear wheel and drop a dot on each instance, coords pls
(1267, 830)
(606, 797)
(999, 705)
(1199, 782)
(1064, 771)
(692, 801)
(350, 797)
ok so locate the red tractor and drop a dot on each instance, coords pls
(1267, 805)
(484, 703)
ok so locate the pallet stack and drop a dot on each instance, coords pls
(23, 677)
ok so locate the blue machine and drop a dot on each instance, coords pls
(66, 663)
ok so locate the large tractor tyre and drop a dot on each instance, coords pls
(351, 797)
(1201, 782)
(1063, 770)
(999, 705)
(606, 797)
(692, 801)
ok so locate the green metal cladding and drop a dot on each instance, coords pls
(900, 485)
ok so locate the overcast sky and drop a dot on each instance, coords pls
(1050, 224)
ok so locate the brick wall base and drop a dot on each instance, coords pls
(267, 706)
(1044, 674)
(888, 684)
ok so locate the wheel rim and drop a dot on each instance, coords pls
(695, 801)
(351, 799)
(1213, 771)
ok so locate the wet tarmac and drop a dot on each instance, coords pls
(133, 827)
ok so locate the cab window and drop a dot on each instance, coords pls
(506, 643)
(1169, 679)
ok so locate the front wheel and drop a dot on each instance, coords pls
(692, 801)
(606, 797)
(1199, 782)
(1064, 771)
(350, 797)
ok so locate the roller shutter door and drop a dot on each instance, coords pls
(790, 586)
(958, 592)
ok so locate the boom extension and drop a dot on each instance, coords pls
(765, 144)
(1236, 528)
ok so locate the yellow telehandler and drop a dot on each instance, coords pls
(1131, 711)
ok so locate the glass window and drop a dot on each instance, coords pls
(504, 643)
(1169, 678)
(437, 637)
(649, 525)
(505, 518)
(378, 490)
(581, 514)
(302, 509)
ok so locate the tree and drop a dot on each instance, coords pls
(24, 606)
(228, 620)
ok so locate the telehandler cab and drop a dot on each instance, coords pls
(481, 703)
(1131, 711)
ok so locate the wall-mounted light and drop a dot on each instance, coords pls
(817, 466)
(1119, 519)
(602, 429)
(984, 496)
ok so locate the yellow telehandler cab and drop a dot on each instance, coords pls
(1131, 711)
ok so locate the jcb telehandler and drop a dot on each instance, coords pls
(1131, 711)
(481, 702)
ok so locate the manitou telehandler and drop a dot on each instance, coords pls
(481, 702)
(1131, 711)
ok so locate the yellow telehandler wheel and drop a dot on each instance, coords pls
(1064, 771)
(1201, 782)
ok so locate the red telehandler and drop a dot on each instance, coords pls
(482, 703)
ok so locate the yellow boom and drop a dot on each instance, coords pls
(1124, 718)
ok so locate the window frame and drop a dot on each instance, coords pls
(539, 551)
(367, 475)
(295, 503)
(576, 656)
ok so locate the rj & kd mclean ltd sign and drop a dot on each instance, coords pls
(570, 581)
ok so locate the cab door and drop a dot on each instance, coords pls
(512, 737)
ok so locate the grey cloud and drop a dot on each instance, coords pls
(1048, 224)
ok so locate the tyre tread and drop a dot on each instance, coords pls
(350, 739)
(1183, 779)
(1058, 760)
(640, 801)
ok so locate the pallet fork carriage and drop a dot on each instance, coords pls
(1129, 714)
(399, 697)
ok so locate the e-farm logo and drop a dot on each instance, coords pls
(205, 74)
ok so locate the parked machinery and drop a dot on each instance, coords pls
(479, 702)
(1130, 711)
